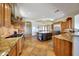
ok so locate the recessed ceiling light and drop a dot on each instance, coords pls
(51, 19)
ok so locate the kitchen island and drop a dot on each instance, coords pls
(43, 36)
(11, 46)
(62, 44)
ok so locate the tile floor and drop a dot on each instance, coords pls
(34, 47)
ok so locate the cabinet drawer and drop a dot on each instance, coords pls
(13, 51)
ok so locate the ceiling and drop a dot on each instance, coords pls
(45, 11)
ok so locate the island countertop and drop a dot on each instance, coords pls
(7, 44)
(65, 36)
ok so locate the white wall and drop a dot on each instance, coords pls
(76, 46)
(34, 28)
(76, 22)
(76, 39)
(28, 28)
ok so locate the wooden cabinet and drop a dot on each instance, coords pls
(56, 28)
(13, 51)
(22, 43)
(68, 48)
(63, 26)
(62, 47)
(5, 14)
(69, 22)
(19, 46)
(17, 49)
(1, 14)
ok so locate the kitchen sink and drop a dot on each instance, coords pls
(14, 35)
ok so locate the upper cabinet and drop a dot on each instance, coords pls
(57, 28)
(1, 14)
(61, 26)
(69, 23)
(5, 14)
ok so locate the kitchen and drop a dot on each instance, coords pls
(24, 30)
(10, 32)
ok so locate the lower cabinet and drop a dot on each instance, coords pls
(20, 45)
(13, 51)
(17, 48)
(62, 47)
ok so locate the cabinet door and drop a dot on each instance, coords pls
(69, 23)
(7, 15)
(22, 43)
(13, 51)
(57, 46)
(54, 44)
(62, 47)
(63, 26)
(68, 48)
(19, 47)
(1, 14)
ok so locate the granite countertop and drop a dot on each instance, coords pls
(7, 44)
(65, 36)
